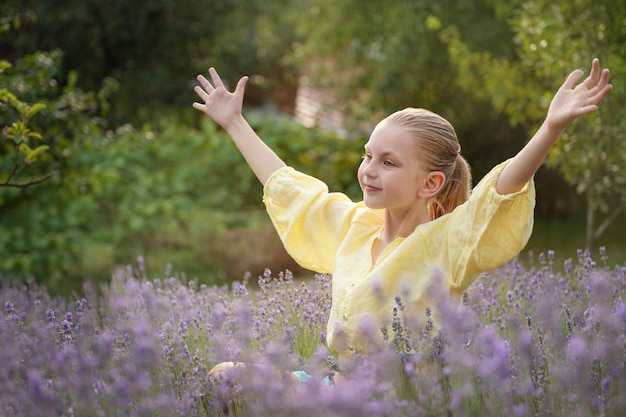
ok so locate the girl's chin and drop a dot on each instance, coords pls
(372, 205)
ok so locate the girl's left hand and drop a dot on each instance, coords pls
(572, 101)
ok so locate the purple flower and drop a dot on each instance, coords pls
(520, 410)
(35, 383)
(577, 349)
(398, 301)
(50, 315)
(495, 364)
(9, 308)
(65, 330)
(141, 264)
(519, 338)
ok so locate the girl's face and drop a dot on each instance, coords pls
(391, 176)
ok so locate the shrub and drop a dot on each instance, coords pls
(172, 193)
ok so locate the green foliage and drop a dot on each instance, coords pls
(321, 154)
(551, 39)
(18, 141)
(154, 49)
(590, 154)
(160, 188)
(375, 59)
(168, 193)
(371, 59)
(41, 231)
(381, 61)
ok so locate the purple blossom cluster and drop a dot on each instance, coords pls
(540, 341)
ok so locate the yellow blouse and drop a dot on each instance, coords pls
(327, 233)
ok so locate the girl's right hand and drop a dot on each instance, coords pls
(219, 104)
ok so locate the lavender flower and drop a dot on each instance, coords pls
(9, 308)
(518, 342)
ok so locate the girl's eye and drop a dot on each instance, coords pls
(366, 156)
(389, 163)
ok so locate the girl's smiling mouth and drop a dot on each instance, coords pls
(370, 189)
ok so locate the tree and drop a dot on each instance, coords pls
(376, 58)
(383, 57)
(153, 49)
(551, 39)
(46, 127)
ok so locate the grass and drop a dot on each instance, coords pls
(566, 235)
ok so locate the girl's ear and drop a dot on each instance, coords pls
(432, 184)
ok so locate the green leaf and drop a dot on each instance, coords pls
(72, 80)
(6, 95)
(18, 138)
(4, 65)
(34, 135)
(32, 154)
(34, 109)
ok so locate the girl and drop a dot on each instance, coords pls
(416, 215)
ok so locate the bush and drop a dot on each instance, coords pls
(171, 193)
(42, 224)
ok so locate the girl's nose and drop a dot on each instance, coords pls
(368, 169)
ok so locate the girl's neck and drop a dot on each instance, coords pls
(396, 227)
(402, 224)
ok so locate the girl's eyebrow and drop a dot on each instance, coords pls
(383, 154)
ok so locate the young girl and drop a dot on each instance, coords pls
(417, 213)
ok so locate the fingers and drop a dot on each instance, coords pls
(594, 75)
(597, 79)
(206, 85)
(572, 79)
(603, 89)
(202, 92)
(241, 85)
(597, 83)
(603, 84)
(213, 91)
(217, 81)
(205, 88)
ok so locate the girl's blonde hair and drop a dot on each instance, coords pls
(438, 147)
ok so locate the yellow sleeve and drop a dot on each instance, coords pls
(310, 221)
(489, 230)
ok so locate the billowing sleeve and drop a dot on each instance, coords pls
(310, 221)
(489, 230)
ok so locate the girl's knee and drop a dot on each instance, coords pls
(236, 371)
(222, 367)
(338, 378)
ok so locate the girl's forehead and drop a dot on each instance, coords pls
(390, 136)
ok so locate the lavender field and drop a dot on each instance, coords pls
(546, 341)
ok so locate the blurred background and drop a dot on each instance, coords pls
(104, 163)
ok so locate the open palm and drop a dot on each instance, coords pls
(219, 104)
(572, 101)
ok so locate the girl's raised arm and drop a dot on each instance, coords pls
(225, 108)
(570, 102)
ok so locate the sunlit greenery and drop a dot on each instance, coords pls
(102, 158)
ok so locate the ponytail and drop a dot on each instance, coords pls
(455, 191)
